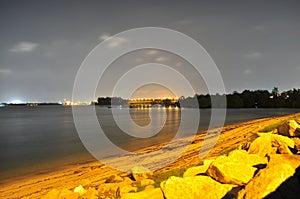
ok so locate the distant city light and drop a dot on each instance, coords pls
(78, 103)
(16, 101)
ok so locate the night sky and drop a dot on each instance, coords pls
(255, 44)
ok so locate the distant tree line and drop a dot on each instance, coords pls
(245, 99)
(256, 99)
(108, 101)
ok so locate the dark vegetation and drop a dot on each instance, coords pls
(245, 99)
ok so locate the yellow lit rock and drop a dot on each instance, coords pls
(147, 194)
(194, 187)
(264, 143)
(245, 157)
(80, 190)
(193, 171)
(261, 146)
(267, 180)
(230, 171)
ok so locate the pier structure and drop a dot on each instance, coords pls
(149, 102)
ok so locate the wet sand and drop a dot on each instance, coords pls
(95, 173)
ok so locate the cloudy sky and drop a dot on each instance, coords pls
(255, 44)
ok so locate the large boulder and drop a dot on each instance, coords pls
(292, 160)
(262, 146)
(282, 143)
(268, 143)
(245, 157)
(231, 171)
(278, 140)
(194, 187)
(283, 129)
(193, 171)
(279, 169)
(147, 194)
(288, 189)
(290, 129)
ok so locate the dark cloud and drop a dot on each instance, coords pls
(254, 43)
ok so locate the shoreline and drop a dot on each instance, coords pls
(95, 173)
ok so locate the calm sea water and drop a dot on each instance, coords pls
(40, 139)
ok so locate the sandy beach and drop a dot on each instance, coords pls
(95, 173)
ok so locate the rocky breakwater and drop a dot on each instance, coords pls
(268, 167)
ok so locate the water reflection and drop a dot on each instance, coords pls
(142, 118)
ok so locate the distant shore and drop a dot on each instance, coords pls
(95, 173)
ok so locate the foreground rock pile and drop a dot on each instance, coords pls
(269, 167)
